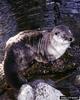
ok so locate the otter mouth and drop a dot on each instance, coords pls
(69, 39)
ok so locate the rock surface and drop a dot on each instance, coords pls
(40, 91)
(8, 25)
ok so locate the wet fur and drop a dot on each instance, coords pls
(24, 48)
(18, 55)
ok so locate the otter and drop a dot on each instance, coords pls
(29, 45)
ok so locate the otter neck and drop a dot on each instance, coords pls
(42, 47)
(57, 49)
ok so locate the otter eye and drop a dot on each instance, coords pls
(56, 33)
(70, 39)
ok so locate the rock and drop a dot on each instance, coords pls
(2, 79)
(26, 93)
(77, 80)
(1, 75)
(40, 91)
(8, 25)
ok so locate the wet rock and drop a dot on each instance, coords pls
(40, 91)
(77, 80)
(8, 25)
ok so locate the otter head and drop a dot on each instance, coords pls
(60, 39)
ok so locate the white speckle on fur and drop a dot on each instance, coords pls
(58, 46)
(26, 93)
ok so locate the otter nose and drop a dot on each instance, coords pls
(69, 38)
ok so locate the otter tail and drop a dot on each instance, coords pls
(10, 69)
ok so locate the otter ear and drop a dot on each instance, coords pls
(55, 30)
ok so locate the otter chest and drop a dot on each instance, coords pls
(57, 50)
